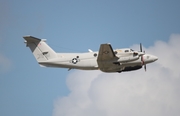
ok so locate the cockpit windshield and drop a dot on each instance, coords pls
(132, 50)
(129, 50)
(126, 51)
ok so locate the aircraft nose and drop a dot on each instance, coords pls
(155, 58)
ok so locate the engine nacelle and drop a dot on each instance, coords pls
(127, 59)
(131, 68)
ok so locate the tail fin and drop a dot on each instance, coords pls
(41, 51)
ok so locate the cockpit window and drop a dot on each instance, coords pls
(126, 51)
(132, 50)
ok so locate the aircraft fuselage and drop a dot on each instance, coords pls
(88, 61)
(106, 59)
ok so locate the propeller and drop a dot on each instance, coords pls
(140, 47)
(142, 58)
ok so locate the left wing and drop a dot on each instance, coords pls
(106, 53)
(106, 57)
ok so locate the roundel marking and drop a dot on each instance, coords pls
(106, 52)
(74, 60)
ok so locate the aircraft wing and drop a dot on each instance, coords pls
(106, 57)
(106, 53)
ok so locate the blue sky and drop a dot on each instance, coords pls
(69, 26)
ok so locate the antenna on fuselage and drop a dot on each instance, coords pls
(90, 50)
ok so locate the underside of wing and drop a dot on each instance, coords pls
(106, 57)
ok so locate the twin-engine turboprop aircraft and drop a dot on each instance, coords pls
(106, 60)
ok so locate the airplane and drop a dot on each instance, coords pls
(106, 59)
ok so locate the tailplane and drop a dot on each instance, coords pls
(41, 51)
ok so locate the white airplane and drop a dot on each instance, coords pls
(106, 60)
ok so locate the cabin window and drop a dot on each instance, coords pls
(115, 52)
(126, 51)
(95, 54)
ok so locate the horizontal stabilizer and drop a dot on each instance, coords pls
(30, 39)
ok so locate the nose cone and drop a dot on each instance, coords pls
(148, 58)
(154, 58)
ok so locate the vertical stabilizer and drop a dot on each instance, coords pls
(40, 49)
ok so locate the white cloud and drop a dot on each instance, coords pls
(139, 93)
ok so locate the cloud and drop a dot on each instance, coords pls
(137, 93)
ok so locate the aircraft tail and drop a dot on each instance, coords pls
(41, 51)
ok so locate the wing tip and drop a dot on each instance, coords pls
(106, 44)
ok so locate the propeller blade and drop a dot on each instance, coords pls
(142, 59)
(143, 63)
(140, 47)
(145, 67)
